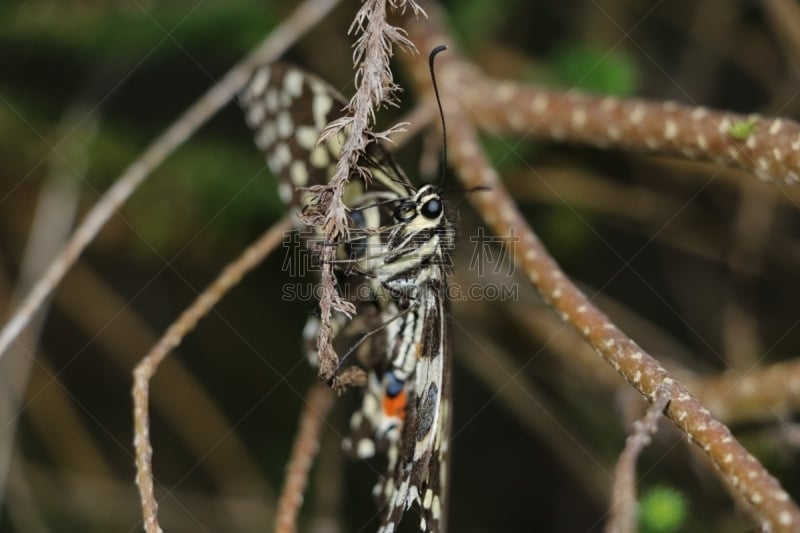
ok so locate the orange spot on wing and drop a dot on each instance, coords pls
(395, 407)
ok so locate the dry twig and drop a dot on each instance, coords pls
(52, 219)
(177, 395)
(623, 501)
(319, 402)
(146, 369)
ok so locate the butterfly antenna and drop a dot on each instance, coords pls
(432, 55)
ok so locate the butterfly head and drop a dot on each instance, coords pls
(424, 208)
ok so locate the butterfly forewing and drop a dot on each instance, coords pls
(288, 109)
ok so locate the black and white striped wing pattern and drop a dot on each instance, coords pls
(419, 474)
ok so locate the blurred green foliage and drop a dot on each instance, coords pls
(127, 30)
(662, 509)
(594, 69)
(475, 20)
(218, 179)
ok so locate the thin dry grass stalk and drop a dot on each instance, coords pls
(623, 501)
(319, 402)
(294, 26)
(231, 467)
(375, 87)
(146, 369)
(771, 505)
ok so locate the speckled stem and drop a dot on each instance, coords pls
(771, 504)
(642, 371)
(147, 367)
(769, 148)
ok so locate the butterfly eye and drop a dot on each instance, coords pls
(432, 208)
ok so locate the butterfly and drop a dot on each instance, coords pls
(397, 257)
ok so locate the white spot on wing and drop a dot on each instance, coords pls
(293, 83)
(320, 107)
(307, 137)
(265, 136)
(284, 125)
(281, 157)
(319, 157)
(255, 114)
(285, 193)
(298, 173)
(365, 448)
(436, 508)
(272, 100)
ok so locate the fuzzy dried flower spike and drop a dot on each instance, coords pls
(375, 87)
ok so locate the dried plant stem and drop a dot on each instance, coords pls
(375, 87)
(762, 394)
(326, 513)
(305, 16)
(319, 402)
(623, 500)
(231, 467)
(767, 147)
(772, 506)
(53, 217)
(146, 369)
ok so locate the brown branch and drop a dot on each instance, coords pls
(146, 369)
(623, 500)
(767, 147)
(761, 394)
(306, 15)
(770, 503)
(319, 402)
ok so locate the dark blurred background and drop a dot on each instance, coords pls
(698, 263)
